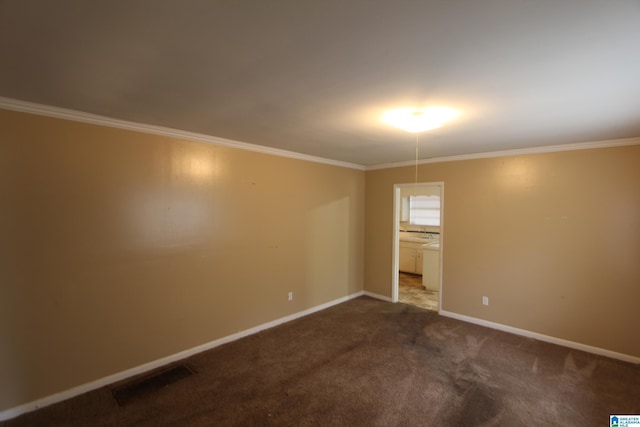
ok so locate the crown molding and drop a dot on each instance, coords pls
(79, 116)
(515, 152)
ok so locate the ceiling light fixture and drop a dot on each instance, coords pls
(416, 121)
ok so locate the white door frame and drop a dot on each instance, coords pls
(397, 202)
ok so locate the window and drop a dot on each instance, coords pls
(424, 210)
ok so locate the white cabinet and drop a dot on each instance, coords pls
(431, 268)
(407, 262)
(410, 260)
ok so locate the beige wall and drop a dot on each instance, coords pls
(119, 248)
(552, 239)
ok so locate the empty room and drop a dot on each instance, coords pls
(319, 213)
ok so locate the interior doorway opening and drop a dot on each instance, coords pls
(417, 244)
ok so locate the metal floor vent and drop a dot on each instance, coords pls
(142, 387)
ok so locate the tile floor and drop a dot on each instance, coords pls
(411, 291)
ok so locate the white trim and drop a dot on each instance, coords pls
(395, 250)
(377, 296)
(541, 337)
(78, 116)
(515, 152)
(110, 379)
(441, 246)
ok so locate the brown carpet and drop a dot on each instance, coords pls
(372, 363)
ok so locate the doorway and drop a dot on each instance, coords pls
(417, 244)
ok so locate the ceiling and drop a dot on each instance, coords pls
(314, 77)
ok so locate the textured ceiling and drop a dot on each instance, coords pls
(314, 77)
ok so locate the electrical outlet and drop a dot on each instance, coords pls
(290, 296)
(485, 300)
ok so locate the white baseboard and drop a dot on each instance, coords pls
(83, 388)
(377, 296)
(541, 337)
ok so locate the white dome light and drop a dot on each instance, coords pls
(414, 121)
